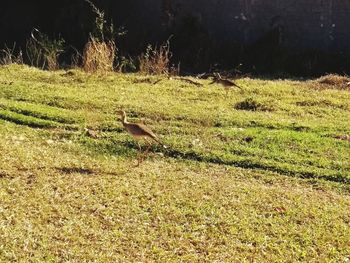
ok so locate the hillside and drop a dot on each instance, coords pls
(258, 174)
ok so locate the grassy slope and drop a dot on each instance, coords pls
(233, 185)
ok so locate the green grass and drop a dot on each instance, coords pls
(253, 176)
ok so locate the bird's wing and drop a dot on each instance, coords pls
(147, 130)
(144, 129)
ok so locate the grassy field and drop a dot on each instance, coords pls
(260, 174)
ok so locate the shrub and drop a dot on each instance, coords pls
(334, 81)
(34, 54)
(99, 55)
(156, 60)
(9, 56)
(251, 104)
(100, 52)
(76, 59)
(43, 52)
(126, 64)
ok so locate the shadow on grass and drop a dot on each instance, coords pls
(130, 149)
(26, 120)
(72, 170)
(250, 164)
(109, 146)
(42, 116)
(4, 175)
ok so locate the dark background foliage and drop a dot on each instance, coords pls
(191, 42)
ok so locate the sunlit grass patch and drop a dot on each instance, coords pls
(234, 185)
(41, 111)
(26, 120)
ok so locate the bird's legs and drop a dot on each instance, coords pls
(139, 154)
(149, 146)
(147, 150)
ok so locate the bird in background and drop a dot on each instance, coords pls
(228, 84)
(139, 131)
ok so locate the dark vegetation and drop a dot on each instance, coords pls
(68, 25)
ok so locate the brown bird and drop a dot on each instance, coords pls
(91, 133)
(140, 131)
(228, 84)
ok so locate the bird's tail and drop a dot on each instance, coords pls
(237, 86)
(160, 143)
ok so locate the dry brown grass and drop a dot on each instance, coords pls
(52, 61)
(156, 60)
(99, 56)
(335, 81)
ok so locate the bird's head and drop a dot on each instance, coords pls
(122, 114)
(216, 77)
